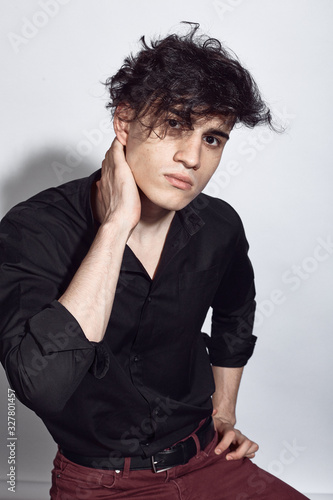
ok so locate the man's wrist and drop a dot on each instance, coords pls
(116, 227)
(224, 416)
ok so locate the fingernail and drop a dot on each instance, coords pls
(218, 451)
(228, 457)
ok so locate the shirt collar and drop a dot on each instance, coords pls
(190, 218)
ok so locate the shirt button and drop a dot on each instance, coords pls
(117, 471)
(149, 299)
(136, 358)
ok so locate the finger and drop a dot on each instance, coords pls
(116, 145)
(113, 144)
(114, 156)
(225, 442)
(245, 449)
(118, 151)
(98, 187)
(109, 153)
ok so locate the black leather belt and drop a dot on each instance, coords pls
(179, 454)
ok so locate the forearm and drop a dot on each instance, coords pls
(44, 383)
(227, 381)
(90, 295)
(48, 354)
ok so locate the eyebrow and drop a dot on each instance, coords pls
(211, 131)
(214, 131)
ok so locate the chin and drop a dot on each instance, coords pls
(172, 200)
(174, 207)
(172, 203)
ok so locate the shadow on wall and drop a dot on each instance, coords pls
(39, 172)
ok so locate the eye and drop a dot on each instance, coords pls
(212, 141)
(174, 123)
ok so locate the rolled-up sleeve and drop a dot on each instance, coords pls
(231, 343)
(42, 347)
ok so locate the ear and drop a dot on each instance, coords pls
(121, 122)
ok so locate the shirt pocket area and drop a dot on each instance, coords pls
(199, 279)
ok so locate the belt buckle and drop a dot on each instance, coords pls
(155, 469)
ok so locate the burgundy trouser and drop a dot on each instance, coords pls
(206, 476)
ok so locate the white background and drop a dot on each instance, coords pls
(281, 185)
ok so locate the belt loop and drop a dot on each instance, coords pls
(197, 442)
(62, 462)
(127, 466)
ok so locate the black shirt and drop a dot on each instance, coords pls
(149, 382)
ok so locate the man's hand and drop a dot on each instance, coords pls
(89, 296)
(117, 193)
(239, 444)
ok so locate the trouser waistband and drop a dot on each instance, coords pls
(179, 454)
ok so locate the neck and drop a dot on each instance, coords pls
(153, 218)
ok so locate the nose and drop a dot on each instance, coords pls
(189, 152)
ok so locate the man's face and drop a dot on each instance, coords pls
(172, 168)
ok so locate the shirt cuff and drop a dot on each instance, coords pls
(55, 329)
(230, 351)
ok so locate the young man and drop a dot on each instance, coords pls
(107, 281)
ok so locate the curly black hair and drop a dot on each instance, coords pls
(193, 74)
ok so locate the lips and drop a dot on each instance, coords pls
(180, 181)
